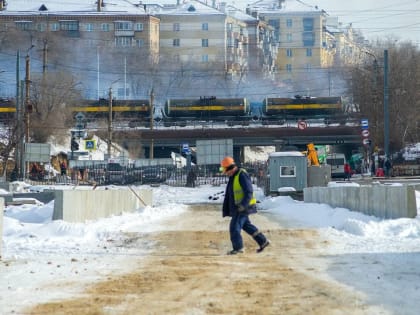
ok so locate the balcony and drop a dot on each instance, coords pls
(124, 33)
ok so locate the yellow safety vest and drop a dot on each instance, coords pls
(238, 192)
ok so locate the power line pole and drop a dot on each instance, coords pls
(152, 97)
(28, 107)
(110, 122)
(386, 109)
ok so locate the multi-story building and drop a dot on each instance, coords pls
(304, 44)
(125, 44)
(88, 39)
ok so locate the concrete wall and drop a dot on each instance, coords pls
(82, 205)
(1, 222)
(383, 201)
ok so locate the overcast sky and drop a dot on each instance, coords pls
(398, 19)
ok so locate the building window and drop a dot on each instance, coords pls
(229, 42)
(123, 26)
(139, 27)
(287, 171)
(204, 43)
(176, 42)
(308, 67)
(89, 27)
(69, 25)
(229, 26)
(289, 52)
(204, 58)
(140, 42)
(41, 27)
(24, 25)
(308, 52)
(289, 37)
(123, 41)
(205, 26)
(289, 23)
(105, 27)
(308, 39)
(176, 27)
(289, 67)
(54, 27)
(308, 24)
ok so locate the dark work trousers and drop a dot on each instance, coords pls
(241, 222)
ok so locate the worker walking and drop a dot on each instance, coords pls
(239, 202)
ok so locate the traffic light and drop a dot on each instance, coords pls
(74, 145)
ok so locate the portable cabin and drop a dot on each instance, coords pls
(288, 170)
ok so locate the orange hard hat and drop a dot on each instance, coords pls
(227, 161)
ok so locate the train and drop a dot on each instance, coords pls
(7, 109)
(279, 110)
(232, 111)
(229, 111)
(135, 112)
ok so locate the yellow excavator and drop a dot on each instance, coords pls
(311, 155)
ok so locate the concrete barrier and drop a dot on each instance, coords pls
(1, 222)
(383, 201)
(82, 205)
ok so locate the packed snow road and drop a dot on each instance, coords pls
(188, 272)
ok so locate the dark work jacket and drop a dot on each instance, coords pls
(229, 207)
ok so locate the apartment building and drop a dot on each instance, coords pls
(90, 37)
(301, 36)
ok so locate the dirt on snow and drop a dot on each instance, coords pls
(189, 272)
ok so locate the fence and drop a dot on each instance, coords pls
(116, 174)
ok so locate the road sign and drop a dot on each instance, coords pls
(80, 116)
(365, 133)
(367, 141)
(302, 124)
(186, 148)
(364, 123)
(90, 144)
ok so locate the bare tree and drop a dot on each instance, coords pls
(52, 95)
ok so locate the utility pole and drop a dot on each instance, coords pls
(386, 109)
(19, 118)
(44, 57)
(110, 122)
(28, 106)
(152, 96)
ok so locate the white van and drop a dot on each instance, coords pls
(336, 161)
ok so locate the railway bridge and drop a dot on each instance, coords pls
(164, 139)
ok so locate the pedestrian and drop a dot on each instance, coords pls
(388, 167)
(63, 167)
(347, 171)
(191, 178)
(239, 202)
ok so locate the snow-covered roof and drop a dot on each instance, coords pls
(188, 8)
(288, 6)
(72, 7)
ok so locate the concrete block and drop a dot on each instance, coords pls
(82, 205)
(1, 224)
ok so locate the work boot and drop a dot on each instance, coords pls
(236, 251)
(259, 250)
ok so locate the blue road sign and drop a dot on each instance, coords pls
(364, 123)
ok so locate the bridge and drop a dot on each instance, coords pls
(349, 136)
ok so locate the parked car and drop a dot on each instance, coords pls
(153, 175)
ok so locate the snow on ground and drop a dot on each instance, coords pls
(380, 257)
